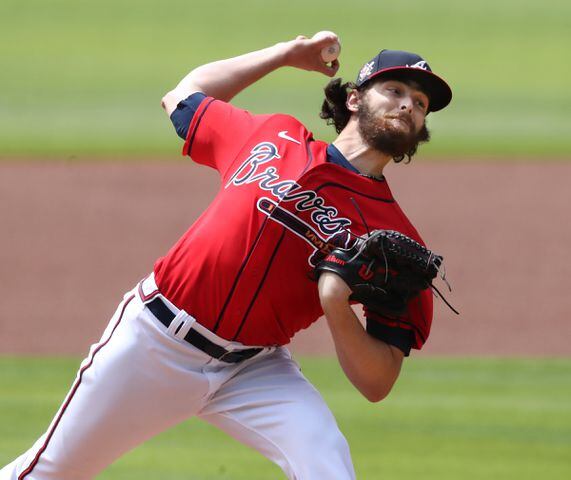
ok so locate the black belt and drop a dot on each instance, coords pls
(166, 316)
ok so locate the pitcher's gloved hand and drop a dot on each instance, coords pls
(384, 270)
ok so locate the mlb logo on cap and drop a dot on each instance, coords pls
(396, 64)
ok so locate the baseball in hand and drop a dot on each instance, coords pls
(330, 52)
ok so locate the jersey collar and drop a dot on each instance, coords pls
(336, 157)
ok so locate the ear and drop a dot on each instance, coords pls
(353, 100)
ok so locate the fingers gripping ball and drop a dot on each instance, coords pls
(331, 51)
(384, 270)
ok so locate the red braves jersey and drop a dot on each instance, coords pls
(244, 269)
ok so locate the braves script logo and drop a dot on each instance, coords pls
(252, 171)
(321, 246)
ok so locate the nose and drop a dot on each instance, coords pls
(406, 104)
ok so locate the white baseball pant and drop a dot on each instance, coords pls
(142, 378)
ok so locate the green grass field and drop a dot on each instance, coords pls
(85, 78)
(446, 419)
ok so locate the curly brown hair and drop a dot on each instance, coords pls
(335, 112)
(334, 109)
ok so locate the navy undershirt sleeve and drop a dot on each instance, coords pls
(398, 337)
(184, 111)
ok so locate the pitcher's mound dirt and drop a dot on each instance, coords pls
(75, 237)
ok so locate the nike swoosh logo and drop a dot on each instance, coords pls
(283, 134)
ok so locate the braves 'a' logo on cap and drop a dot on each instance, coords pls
(366, 70)
(422, 65)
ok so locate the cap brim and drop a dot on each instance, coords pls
(438, 91)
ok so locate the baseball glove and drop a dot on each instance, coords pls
(384, 270)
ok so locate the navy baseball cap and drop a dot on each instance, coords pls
(398, 64)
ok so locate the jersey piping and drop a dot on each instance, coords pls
(261, 284)
(195, 129)
(238, 275)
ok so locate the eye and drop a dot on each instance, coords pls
(394, 90)
(421, 104)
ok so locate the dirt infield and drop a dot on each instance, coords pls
(75, 237)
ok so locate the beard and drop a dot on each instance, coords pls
(393, 135)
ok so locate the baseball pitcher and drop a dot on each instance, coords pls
(299, 228)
